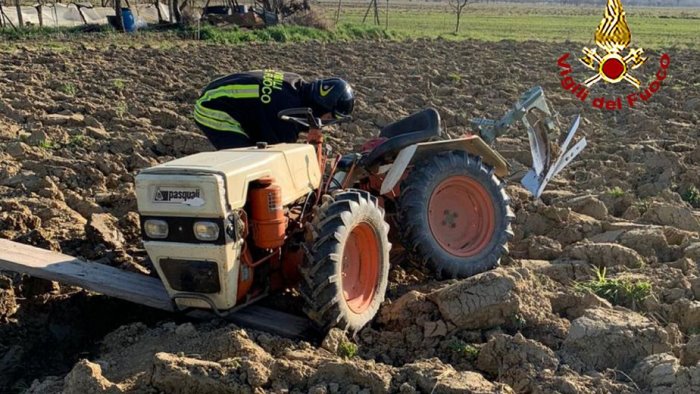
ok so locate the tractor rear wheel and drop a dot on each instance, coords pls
(455, 215)
(347, 271)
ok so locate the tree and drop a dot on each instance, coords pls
(458, 6)
(20, 22)
(178, 12)
(119, 20)
(39, 13)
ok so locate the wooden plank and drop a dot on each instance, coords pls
(96, 277)
(137, 288)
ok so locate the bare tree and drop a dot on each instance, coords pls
(177, 10)
(337, 12)
(119, 19)
(387, 14)
(39, 13)
(372, 3)
(20, 22)
(457, 7)
(4, 19)
(160, 15)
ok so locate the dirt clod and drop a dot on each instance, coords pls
(690, 354)
(494, 298)
(617, 339)
(671, 215)
(8, 302)
(86, 377)
(517, 361)
(606, 255)
(102, 228)
(333, 340)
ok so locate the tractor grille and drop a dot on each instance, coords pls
(191, 276)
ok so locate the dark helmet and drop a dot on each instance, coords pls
(332, 95)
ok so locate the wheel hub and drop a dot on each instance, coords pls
(450, 219)
(360, 267)
(461, 216)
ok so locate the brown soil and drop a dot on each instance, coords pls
(76, 126)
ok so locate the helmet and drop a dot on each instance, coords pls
(332, 95)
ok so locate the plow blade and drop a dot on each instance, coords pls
(533, 111)
(136, 288)
(543, 169)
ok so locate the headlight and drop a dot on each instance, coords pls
(157, 229)
(206, 231)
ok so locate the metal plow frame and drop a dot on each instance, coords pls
(544, 166)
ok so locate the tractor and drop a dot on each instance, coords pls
(225, 228)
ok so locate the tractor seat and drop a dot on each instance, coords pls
(418, 127)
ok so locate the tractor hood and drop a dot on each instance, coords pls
(293, 166)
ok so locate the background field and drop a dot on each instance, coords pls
(654, 27)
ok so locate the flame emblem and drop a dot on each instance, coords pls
(613, 36)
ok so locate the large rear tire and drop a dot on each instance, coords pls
(347, 273)
(454, 215)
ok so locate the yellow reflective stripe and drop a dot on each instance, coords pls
(215, 114)
(218, 125)
(235, 91)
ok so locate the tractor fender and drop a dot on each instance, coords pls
(472, 144)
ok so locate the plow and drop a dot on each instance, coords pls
(225, 229)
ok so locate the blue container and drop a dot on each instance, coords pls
(128, 19)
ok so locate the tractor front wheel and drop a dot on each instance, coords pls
(346, 275)
(455, 215)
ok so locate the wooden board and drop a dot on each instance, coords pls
(137, 288)
(96, 277)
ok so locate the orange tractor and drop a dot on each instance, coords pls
(226, 228)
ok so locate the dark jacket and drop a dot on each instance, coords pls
(254, 99)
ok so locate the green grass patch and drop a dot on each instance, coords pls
(642, 205)
(121, 109)
(49, 145)
(692, 196)
(68, 88)
(622, 292)
(77, 140)
(465, 350)
(347, 349)
(220, 35)
(59, 33)
(284, 33)
(119, 84)
(616, 192)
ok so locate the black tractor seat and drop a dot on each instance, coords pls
(418, 127)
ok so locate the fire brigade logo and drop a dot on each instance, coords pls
(613, 36)
(612, 61)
